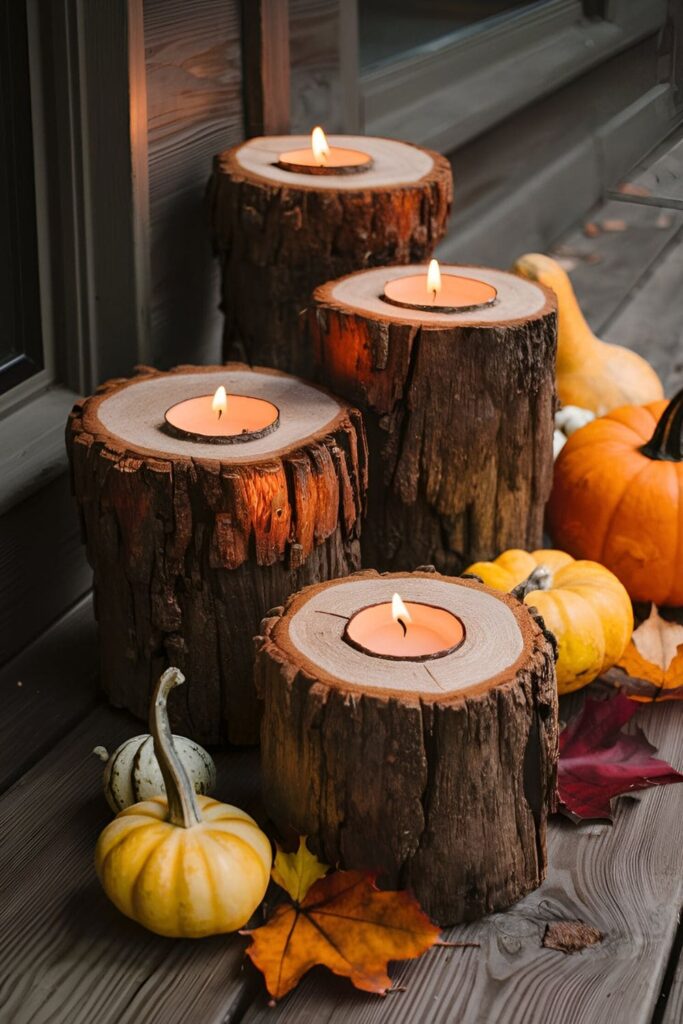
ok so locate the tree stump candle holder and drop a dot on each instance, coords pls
(458, 407)
(438, 769)
(192, 541)
(279, 232)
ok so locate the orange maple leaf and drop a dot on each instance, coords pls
(345, 923)
(653, 660)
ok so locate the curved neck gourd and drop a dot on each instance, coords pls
(182, 804)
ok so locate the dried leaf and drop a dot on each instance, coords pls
(627, 188)
(296, 872)
(614, 225)
(653, 660)
(570, 936)
(598, 761)
(345, 923)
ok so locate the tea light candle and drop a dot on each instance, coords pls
(436, 769)
(435, 292)
(399, 631)
(221, 418)
(321, 158)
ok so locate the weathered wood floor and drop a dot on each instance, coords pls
(67, 957)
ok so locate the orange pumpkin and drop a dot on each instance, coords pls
(618, 498)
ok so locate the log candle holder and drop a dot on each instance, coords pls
(280, 232)
(192, 541)
(458, 407)
(436, 769)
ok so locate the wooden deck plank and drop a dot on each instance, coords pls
(673, 1012)
(52, 682)
(657, 180)
(66, 953)
(626, 880)
(608, 267)
(652, 322)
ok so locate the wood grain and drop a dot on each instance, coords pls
(190, 548)
(265, 66)
(623, 879)
(67, 954)
(277, 237)
(194, 97)
(459, 413)
(443, 789)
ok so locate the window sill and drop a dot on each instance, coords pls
(447, 97)
(32, 451)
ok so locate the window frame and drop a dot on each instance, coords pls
(473, 80)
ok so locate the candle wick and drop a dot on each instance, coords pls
(434, 295)
(220, 413)
(403, 626)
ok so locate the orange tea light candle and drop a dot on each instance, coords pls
(322, 158)
(404, 631)
(221, 418)
(435, 292)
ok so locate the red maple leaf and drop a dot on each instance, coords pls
(598, 761)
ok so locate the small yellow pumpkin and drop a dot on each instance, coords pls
(582, 603)
(186, 865)
(591, 373)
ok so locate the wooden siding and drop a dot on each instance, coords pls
(194, 101)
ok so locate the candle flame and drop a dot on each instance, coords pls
(319, 145)
(219, 402)
(434, 279)
(400, 613)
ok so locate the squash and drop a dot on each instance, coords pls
(182, 865)
(592, 374)
(618, 498)
(582, 603)
(132, 773)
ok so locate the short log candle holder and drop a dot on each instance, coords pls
(458, 407)
(192, 540)
(280, 231)
(435, 767)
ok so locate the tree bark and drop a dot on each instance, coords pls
(278, 236)
(189, 551)
(444, 789)
(459, 413)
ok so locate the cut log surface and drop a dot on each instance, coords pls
(438, 774)
(280, 233)
(459, 413)
(192, 543)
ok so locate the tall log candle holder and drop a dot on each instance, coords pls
(191, 540)
(458, 407)
(436, 769)
(280, 231)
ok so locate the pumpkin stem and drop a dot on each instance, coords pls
(540, 578)
(666, 444)
(182, 805)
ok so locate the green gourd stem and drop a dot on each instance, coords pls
(540, 578)
(666, 444)
(182, 804)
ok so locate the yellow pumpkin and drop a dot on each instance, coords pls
(592, 374)
(186, 866)
(582, 603)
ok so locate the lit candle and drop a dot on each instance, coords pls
(321, 158)
(221, 418)
(439, 293)
(410, 631)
